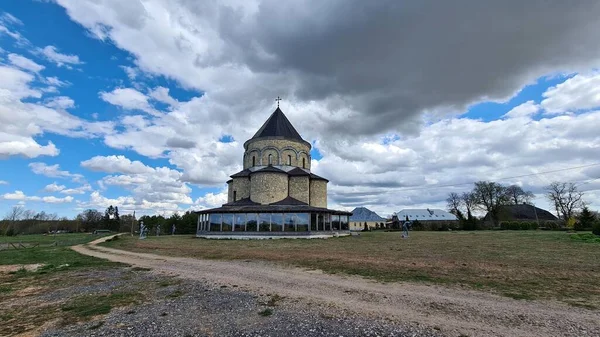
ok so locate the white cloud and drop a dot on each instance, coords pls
(132, 73)
(526, 110)
(24, 63)
(210, 200)
(55, 200)
(160, 186)
(60, 102)
(55, 81)
(10, 19)
(161, 94)
(54, 171)
(409, 171)
(19, 195)
(22, 118)
(115, 164)
(3, 182)
(128, 99)
(54, 187)
(581, 92)
(14, 35)
(52, 54)
(130, 204)
(14, 84)
(78, 190)
(11, 145)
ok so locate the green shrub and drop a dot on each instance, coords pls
(10, 232)
(596, 227)
(552, 225)
(586, 237)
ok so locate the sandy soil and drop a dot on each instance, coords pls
(15, 267)
(454, 311)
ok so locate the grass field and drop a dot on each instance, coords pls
(52, 250)
(518, 264)
(59, 268)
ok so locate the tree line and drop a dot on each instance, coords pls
(19, 220)
(490, 197)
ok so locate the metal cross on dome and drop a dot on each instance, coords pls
(278, 99)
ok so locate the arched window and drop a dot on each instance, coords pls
(234, 195)
(303, 162)
(253, 161)
(289, 160)
(270, 159)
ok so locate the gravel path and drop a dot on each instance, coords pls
(192, 308)
(453, 311)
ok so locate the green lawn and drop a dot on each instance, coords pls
(52, 250)
(519, 264)
(61, 239)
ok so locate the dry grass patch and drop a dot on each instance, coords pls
(523, 265)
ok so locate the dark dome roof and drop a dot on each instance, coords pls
(277, 126)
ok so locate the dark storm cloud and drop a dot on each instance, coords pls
(392, 60)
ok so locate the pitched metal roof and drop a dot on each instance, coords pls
(289, 201)
(277, 126)
(242, 173)
(242, 202)
(270, 169)
(425, 215)
(316, 177)
(297, 172)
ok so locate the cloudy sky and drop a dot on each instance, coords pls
(145, 104)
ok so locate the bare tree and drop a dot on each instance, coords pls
(489, 197)
(90, 218)
(470, 201)
(28, 214)
(14, 214)
(454, 201)
(565, 197)
(518, 196)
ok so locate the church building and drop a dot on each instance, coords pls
(275, 194)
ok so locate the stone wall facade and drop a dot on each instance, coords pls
(229, 190)
(268, 187)
(257, 151)
(241, 187)
(318, 193)
(299, 187)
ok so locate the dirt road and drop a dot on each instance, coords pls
(454, 311)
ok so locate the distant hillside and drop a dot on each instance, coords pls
(364, 214)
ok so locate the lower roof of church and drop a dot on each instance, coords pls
(290, 171)
(287, 205)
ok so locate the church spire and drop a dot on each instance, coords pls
(277, 126)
